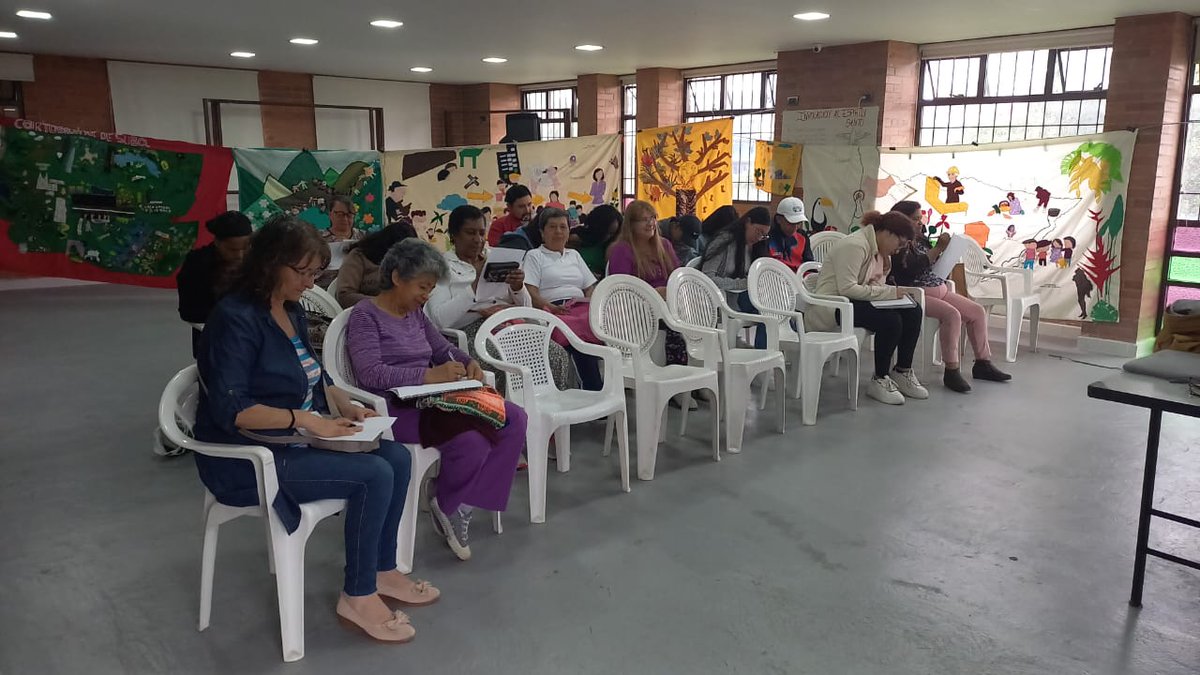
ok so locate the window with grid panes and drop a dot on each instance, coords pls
(558, 108)
(1013, 96)
(629, 141)
(1182, 269)
(750, 99)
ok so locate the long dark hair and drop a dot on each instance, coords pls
(760, 215)
(717, 221)
(284, 241)
(596, 223)
(376, 245)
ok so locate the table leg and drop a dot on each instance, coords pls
(1143, 535)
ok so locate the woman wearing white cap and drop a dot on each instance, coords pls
(788, 243)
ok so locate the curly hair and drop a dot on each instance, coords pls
(285, 241)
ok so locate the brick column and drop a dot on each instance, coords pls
(599, 104)
(660, 97)
(459, 113)
(287, 127)
(501, 97)
(70, 91)
(1151, 66)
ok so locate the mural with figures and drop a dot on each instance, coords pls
(1055, 207)
(686, 169)
(304, 182)
(573, 174)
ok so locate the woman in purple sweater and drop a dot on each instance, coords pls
(393, 344)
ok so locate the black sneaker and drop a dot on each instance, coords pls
(954, 381)
(984, 370)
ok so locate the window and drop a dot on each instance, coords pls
(1013, 96)
(629, 141)
(11, 104)
(1181, 273)
(558, 108)
(750, 99)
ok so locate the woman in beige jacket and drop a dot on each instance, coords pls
(358, 276)
(857, 269)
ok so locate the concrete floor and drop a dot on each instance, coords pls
(989, 533)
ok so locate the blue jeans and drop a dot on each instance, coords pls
(374, 484)
(760, 335)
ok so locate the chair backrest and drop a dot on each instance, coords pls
(695, 300)
(694, 263)
(332, 290)
(522, 339)
(177, 407)
(807, 274)
(317, 299)
(773, 287)
(822, 242)
(335, 355)
(626, 309)
(974, 257)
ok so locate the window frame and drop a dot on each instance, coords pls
(570, 125)
(768, 90)
(1191, 108)
(628, 139)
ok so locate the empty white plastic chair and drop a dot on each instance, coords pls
(774, 290)
(625, 313)
(285, 553)
(1014, 298)
(521, 337)
(337, 364)
(822, 242)
(317, 299)
(695, 300)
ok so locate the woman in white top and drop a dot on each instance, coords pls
(452, 303)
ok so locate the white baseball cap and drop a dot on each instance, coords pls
(792, 208)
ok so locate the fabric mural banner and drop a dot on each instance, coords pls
(573, 174)
(1056, 207)
(686, 169)
(303, 183)
(839, 184)
(104, 207)
(776, 166)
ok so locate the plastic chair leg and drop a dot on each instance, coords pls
(852, 374)
(562, 447)
(716, 421)
(289, 585)
(1035, 313)
(497, 526)
(208, 560)
(621, 420)
(810, 389)
(649, 416)
(780, 401)
(536, 443)
(608, 434)
(737, 394)
(1012, 333)
(406, 538)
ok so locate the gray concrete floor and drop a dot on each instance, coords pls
(989, 533)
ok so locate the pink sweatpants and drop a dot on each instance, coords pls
(952, 311)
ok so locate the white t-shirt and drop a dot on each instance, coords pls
(558, 276)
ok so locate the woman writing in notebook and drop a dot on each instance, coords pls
(912, 265)
(392, 343)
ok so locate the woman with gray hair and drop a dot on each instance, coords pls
(392, 343)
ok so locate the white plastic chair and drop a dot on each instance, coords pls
(774, 289)
(285, 553)
(337, 364)
(625, 313)
(332, 290)
(1013, 298)
(694, 263)
(695, 300)
(822, 242)
(524, 355)
(317, 299)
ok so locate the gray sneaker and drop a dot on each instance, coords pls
(453, 527)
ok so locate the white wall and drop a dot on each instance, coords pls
(168, 102)
(405, 113)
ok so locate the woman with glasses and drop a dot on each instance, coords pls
(341, 229)
(258, 373)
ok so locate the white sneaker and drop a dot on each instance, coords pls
(908, 384)
(884, 390)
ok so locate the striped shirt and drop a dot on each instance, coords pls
(311, 368)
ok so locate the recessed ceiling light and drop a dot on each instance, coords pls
(589, 48)
(386, 23)
(811, 16)
(8, 35)
(31, 14)
(494, 59)
(242, 55)
(303, 41)
(421, 69)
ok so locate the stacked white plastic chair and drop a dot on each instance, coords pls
(694, 299)
(774, 290)
(285, 552)
(625, 313)
(822, 242)
(1016, 296)
(521, 337)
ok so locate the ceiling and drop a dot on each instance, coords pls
(537, 36)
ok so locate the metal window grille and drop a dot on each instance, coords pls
(558, 108)
(1181, 273)
(750, 99)
(1013, 96)
(629, 141)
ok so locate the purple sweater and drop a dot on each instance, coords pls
(388, 351)
(621, 260)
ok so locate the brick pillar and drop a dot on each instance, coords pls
(70, 91)
(1151, 67)
(599, 104)
(445, 114)
(660, 97)
(460, 114)
(287, 127)
(501, 97)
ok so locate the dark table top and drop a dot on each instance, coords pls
(1146, 392)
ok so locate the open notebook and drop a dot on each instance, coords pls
(422, 390)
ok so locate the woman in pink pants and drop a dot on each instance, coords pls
(912, 266)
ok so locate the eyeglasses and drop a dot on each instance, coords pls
(307, 274)
(340, 213)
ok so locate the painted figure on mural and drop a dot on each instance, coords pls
(1083, 290)
(599, 187)
(954, 188)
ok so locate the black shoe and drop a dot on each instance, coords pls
(984, 370)
(954, 381)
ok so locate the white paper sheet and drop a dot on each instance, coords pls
(419, 390)
(337, 253)
(372, 428)
(954, 252)
(898, 303)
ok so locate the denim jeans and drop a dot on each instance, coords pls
(374, 484)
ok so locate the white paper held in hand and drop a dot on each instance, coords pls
(371, 429)
(954, 252)
(422, 390)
